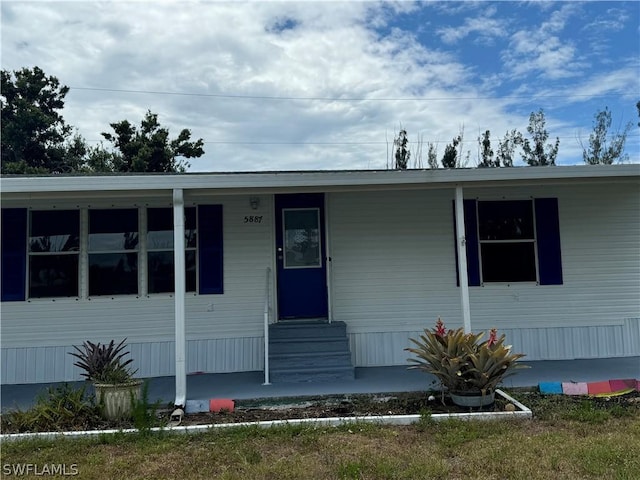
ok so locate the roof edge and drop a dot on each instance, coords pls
(301, 179)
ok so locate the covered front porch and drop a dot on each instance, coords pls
(248, 385)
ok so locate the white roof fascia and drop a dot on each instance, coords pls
(343, 180)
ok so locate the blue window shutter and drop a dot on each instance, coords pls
(14, 254)
(548, 240)
(471, 233)
(210, 253)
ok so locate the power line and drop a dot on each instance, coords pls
(379, 142)
(341, 99)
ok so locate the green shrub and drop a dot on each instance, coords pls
(60, 408)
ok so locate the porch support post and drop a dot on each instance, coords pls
(462, 260)
(328, 255)
(179, 297)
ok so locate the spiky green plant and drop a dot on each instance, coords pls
(104, 363)
(461, 361)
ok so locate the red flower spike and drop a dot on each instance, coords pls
(440, 330)
(493, 337)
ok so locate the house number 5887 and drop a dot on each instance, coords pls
(253, 219)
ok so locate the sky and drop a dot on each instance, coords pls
(287, 85)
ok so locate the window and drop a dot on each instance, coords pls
(52, 253)
(301, 235)
(54, 246)
(160, 261)
(113, 252)
(507, 241)
(512, 241)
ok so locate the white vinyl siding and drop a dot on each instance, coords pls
(34, 330)
(393, 273)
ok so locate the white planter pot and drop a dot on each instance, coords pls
(473, 399)
(115, 400)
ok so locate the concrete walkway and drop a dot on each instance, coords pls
(248, 385)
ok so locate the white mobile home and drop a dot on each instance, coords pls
(548, 255)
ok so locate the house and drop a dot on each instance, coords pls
(548, 255)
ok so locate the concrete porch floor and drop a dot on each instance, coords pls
(248, 385)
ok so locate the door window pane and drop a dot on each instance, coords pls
(301, 238)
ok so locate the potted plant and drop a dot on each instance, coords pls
(470, 369)
(112, 377)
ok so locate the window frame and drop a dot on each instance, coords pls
(208, 252)
(532, 241)
(548, 235)
(193, 249)
(29, 254)
(109, 251)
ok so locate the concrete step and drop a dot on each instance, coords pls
(312, 374)
(312, 359)
(306, 330)
(281, 347)
(309, 351)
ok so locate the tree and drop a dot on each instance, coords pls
(638, 107)
(536, 152)
(147, 148)
(402, 154)
(450, 157)
(486, 152)
(507, 148)
(599, 150)
(432, 155)
(34, 134)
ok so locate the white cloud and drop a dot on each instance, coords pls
(327, 50)
(484, 27)
(223, 51)
(542, 51)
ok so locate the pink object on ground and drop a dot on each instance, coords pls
(218, 404)
(624, 384)
(599, 387)
(575, 388)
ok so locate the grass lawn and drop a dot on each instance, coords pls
(575, 440)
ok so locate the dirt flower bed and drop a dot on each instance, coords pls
(544, 407)
(410, 403)
(405, 403)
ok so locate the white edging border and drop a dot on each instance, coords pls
(524, 413)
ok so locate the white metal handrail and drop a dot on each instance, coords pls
(267, 312)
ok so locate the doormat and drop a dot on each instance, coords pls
(607, 388)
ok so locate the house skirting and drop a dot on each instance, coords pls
(225, 355)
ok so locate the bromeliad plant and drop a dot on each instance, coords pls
(104, 364)
(462, 362)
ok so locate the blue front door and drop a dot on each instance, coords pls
(300, 256)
